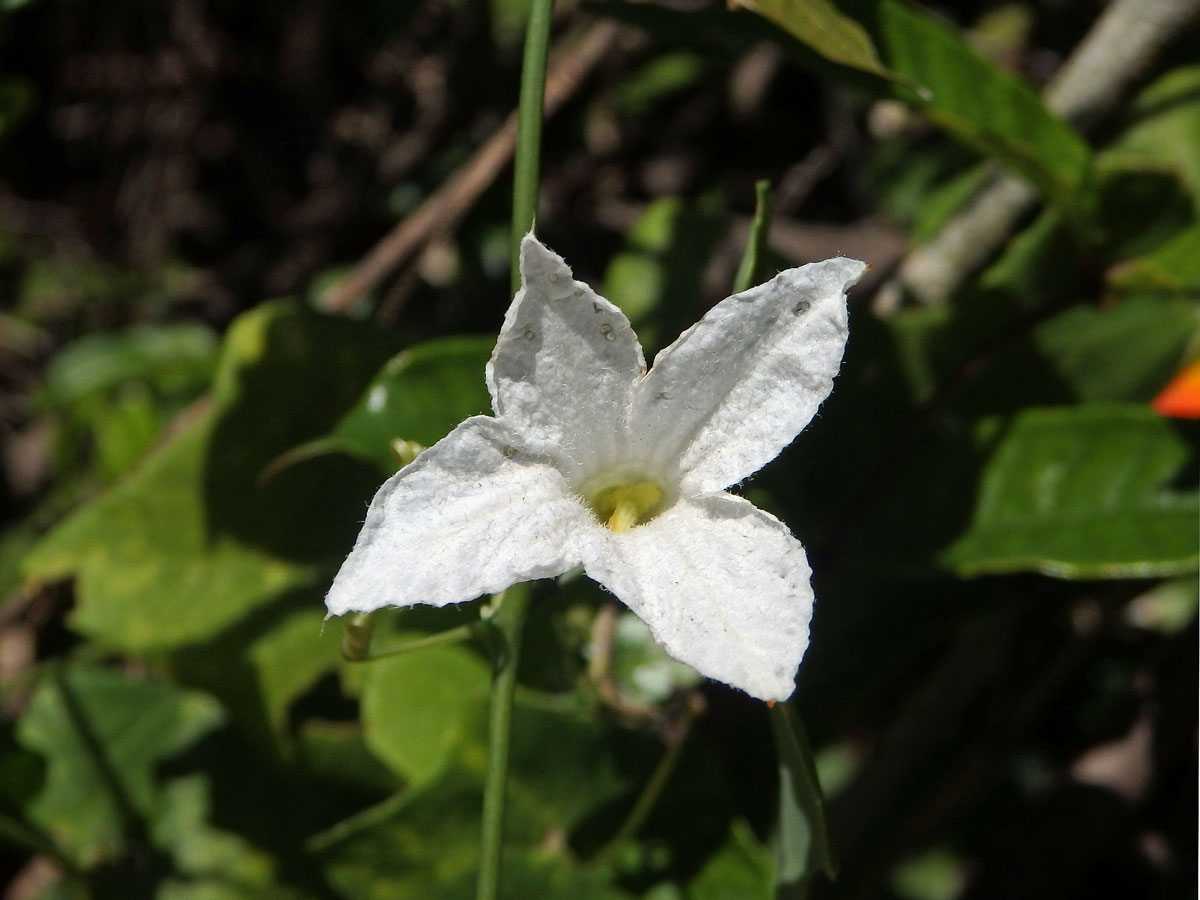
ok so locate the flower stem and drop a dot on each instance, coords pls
(752, 258)
(509, 620)
(529, 128)
(356, 636)
(675, 738)
(449, 636)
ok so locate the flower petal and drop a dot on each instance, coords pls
(741, 383)
(565, 363)
(471, 515)
(723, 586)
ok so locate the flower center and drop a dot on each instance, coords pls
(622, 506)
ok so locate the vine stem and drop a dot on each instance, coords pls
(529, 128)
(509, 620)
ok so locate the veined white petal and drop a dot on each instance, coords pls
(472, 515)
(723, 586)
(740, 384)
(565, 363)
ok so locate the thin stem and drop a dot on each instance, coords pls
(509, 620)
(659, 778)
(529, 128)
(356, 636)
(752, 257)
(358, 823)
(510, 617)
(449, 636)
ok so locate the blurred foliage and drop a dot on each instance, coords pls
(1000, 696)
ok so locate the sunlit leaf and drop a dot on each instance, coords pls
(147, 573)
(191, 541)
(976, 100)
(174, 357)
(822, 27)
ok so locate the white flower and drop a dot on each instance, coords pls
(591, 460)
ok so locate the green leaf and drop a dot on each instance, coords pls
(335, 752)
(209, 864)
(977, 101)
(662, 76)
(419, 395)
(416, 707)
(191, 542)
(1141, 205)
(1123, 352)
(741, 869)
(1083, 492)
(820, 26)
(258, 671)
(173, 358)
(102, 735)
(147, 574)
(656, 278)
(427, 844)
(802, 834)
(287, 375)
(1172, 267)
(1165, 125)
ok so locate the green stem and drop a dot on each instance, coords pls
(752, 257)
(449, 636)
(509, 620)
(356, 636)
(659, 778)
(529, 128)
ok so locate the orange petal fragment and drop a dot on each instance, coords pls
(1181, 398)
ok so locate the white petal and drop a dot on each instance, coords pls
(741, 383)
(472, 515)
(566, 362)
(723, 586)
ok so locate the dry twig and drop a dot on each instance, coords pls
(570, 64)
(1119, 47)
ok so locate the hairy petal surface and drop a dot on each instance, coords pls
(565, 363)
(723, 586)
(472, 515)
(741, 383)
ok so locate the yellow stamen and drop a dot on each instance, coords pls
(624, 516)
(623, 506)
